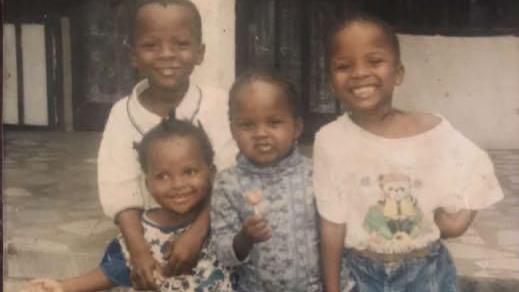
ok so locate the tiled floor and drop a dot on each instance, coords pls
(490, 248)
(54, 225)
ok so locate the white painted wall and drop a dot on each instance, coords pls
(34, 75)
(218, 17)
(10, 75)
(472, 81)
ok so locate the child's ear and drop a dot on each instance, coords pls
(212, 173)
(146, 182)
(400, 72)
(133, 58)
(299, 127)
(200, 54)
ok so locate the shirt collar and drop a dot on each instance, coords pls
(145, 120)
(288, 163)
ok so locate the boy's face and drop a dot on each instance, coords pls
(166, 45)
(262, 123)
(177, 176)
(364, 67)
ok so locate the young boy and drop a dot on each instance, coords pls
(263, 215)
(166, 46)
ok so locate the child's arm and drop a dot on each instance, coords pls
(94, 280)
(183, 255)
(254, 229)
(453, 224)
(332, 245)
(142, 262)
(226, 222)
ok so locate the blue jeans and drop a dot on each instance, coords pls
(114, 266)
(433, 273)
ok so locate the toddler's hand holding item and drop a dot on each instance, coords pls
(255, 198)
(256, 227)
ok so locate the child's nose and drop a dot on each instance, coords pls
(261, 131)
(177, 182)
(168, 51)
(360, 70)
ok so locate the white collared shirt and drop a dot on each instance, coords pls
(120, 178)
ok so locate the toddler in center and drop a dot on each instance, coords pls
(390, 184)
(263, 215)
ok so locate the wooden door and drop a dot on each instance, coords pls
(101, 70)
(287, 36)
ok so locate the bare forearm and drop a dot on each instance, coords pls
(242, 245)
(332, 244)
(200, 226)
(130, 225)
(453, 224)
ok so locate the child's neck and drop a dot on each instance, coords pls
(161, 100)
(383, 122)
(166, 218)
(394, 123)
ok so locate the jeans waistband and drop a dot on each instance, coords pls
(396, 257)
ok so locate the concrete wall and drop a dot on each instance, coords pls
(218, 19)
(472, 81)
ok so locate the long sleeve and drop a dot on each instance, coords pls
(118, 168)
(225, 219)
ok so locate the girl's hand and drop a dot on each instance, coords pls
(143, 271)
(182, 256)
(43, 285)
(256, 229)
(453, 224)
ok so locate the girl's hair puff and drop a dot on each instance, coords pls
(197, 19)
(274, 78)
(170, 128)
(349, 17)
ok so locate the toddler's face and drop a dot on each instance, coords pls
(177, 175)
(364, 68)
(166, 47)
(262, 123)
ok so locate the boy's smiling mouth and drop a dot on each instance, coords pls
(264, 147)
(364, 91)
(180, 198)
(167, 71)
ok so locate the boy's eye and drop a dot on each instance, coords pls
(375, 61)
(191, 171)
(342, 66)
(148, 45)
(275, 122)
(245, 125)
(162, 176)
(183, 44)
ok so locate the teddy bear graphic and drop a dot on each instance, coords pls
(396, 216)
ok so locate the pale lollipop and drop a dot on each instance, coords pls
(255, 198)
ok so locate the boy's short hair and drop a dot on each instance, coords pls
(170, 128)
(184, 3)
(349, 17)
(269, 77)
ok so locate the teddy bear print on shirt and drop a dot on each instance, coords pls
(396, 219)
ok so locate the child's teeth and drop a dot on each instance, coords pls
(167, 71)
(265, 147)
(364, 91)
